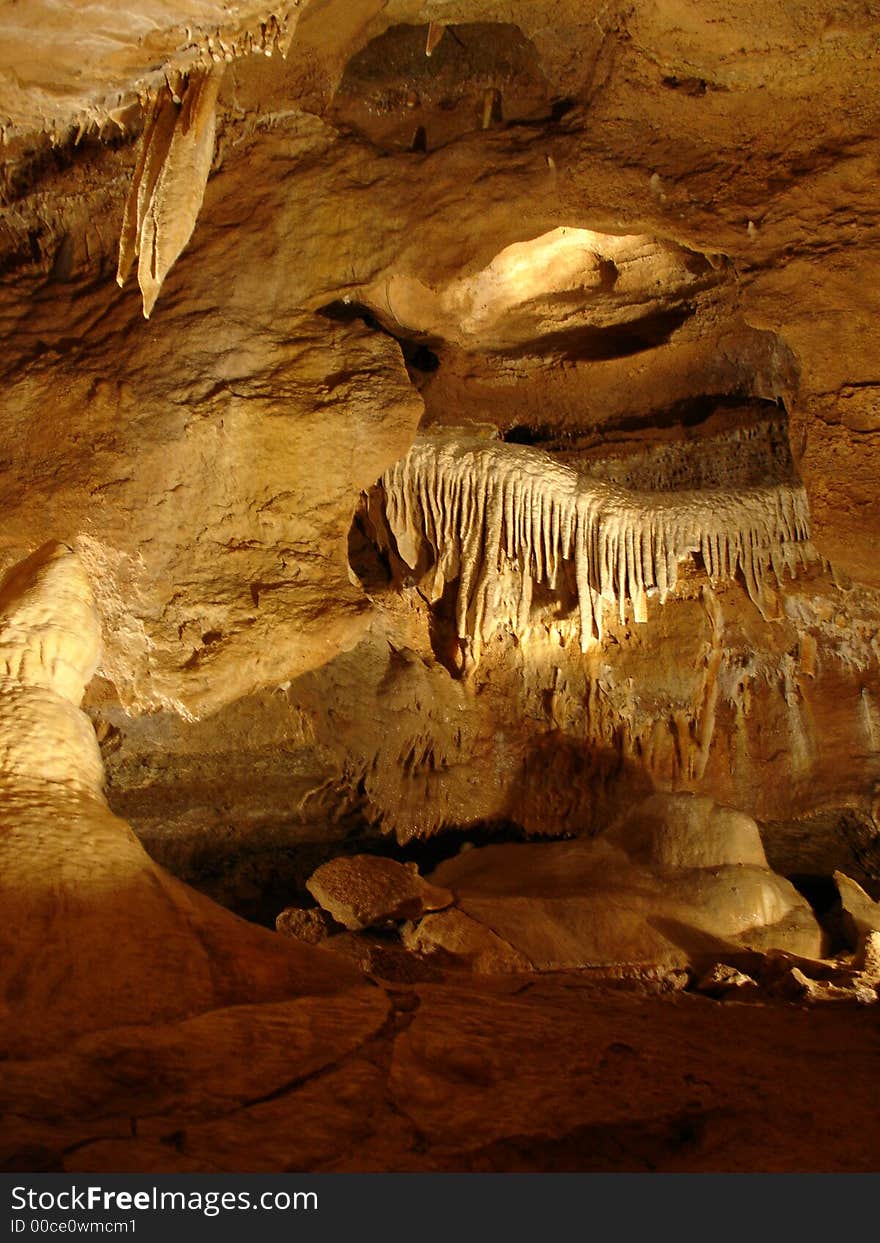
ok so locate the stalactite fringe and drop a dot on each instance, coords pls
(484, 507)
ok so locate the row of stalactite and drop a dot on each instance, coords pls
(484, 509)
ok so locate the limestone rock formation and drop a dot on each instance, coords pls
(365, 890)
(177, 150)
(861, 915)
(687, 831)
(480, 508)
(454, 934)
(867, 960)
(657, 891)
(724, 981)
(497, 466)
(311, 924)
(96, 935)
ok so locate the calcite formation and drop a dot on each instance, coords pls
(676, 881)
(95, 934)
(176, 153)
(483, 473)
(483, 507)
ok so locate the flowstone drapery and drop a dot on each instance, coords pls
(484, 508)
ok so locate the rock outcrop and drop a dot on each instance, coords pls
(658, 890)
(95, 934)
(861, 915)
(364, 891)
(498, 457)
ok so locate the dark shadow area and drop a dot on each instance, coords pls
(821, 893)
(371, 566)
(442, 80)
(417, 354)
(588, 344)
(639, 1146)
(732, 409)
(844, 839)
(259, 883)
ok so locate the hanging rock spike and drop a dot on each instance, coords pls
(436, 31)
(169, 182)
(484, 508)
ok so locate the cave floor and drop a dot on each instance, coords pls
(556, 1073)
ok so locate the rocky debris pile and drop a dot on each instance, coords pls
(724, 982)
(852, 978)
(677, 895)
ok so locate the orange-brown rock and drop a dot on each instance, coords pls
(466, 940)
(310, 924)
(500, 458)
(362, 891)
(724, 981)
(589, 903)
(97, 935)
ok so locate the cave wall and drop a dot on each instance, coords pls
(347, 282)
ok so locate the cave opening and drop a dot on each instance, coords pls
(447, 80)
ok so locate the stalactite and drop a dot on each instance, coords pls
(800, 745)
(169, 183)
(485, 508)
(869, 718)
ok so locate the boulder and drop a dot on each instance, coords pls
(311, 925)
(464, 939)
(365, 891)
(861, 914)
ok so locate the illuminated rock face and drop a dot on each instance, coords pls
(95, 935)
(483, 508)
(675, 883)
(549, 288)
(169, 184)
(497, 468)
(658, 361)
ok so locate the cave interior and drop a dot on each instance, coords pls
(439, 600)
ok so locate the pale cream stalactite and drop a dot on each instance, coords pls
(484, 509)
(169, 183)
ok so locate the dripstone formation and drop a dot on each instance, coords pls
(439, 602)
